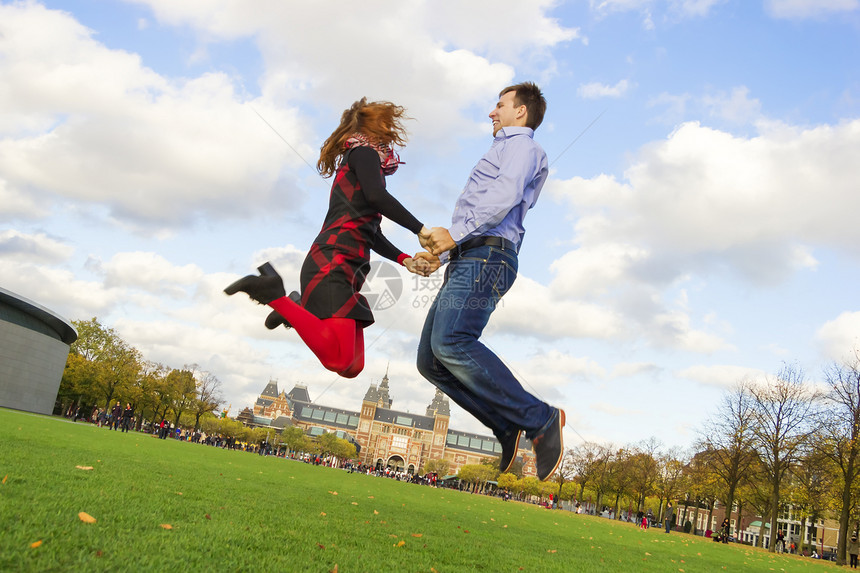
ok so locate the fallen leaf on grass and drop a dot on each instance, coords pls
(207, 516)
(86, 517)
(35, 544)
(320, 545)
(400, 543)
(375, 512)
(334, 570)
(84, 467)
(417, 535)
(552, 550)
(178, 493)
(4, 478)
(355, 503)
(166, 526)
(333, 492)
(322, 513)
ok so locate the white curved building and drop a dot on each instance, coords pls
(34, 347)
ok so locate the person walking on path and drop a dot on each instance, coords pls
(481, 248)
(330, 314)
(126, 417)
(116, 415)
(852, 549)
(667, 517)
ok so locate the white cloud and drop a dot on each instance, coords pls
(597, 90)
(720, 376)
(839, 339)
(155, 152)
(704, 198)
(736, 107)
(32, 248)
(802, 9)
(674, 9)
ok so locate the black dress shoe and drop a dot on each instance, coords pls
(509, 451)
(263, 288)
(549, 447)
(275, 319)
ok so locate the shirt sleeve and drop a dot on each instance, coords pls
(364, 161)
(486, 207)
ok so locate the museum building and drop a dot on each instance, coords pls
(34, 347)
(385, 437)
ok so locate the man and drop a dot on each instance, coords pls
(481, 246)
(116, 415)
(667, 517)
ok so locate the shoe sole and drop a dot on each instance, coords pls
(513, 459)
(561, 420)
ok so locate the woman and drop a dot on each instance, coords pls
(853, 548)
(330, 314)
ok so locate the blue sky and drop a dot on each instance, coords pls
(701, 231)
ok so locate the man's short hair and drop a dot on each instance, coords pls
(529, 95)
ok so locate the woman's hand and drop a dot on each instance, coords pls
(423, 263)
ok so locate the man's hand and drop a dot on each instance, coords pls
(431, 262)
(424, 237)
(439, 241)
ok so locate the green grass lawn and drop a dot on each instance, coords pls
(235, 511)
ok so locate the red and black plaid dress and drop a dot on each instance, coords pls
(339, 258)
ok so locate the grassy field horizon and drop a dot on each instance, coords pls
(165, 504)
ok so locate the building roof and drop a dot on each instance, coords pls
(271, 390)
(476, 443)
(36, 317)
(404, 419)
(299, 393)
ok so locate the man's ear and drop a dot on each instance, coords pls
(522, 112)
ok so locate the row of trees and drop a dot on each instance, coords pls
(103, 368)
(771, 444)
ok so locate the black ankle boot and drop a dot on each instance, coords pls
(274, 320)
(263, 288)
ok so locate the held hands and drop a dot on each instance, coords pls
(422, 263)
(436, 240)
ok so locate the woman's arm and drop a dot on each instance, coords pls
(364, 161)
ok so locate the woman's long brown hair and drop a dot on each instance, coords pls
(380, 121)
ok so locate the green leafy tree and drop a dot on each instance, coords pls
(103, 364)
(507, 481)
(439, 467)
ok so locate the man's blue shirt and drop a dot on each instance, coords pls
(502, 187)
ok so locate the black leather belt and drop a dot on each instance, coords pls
(489, 241)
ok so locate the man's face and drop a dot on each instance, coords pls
(507, 113)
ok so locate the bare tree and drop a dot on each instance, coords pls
(584, 461)
(643, 470)
(209, 396)
(839, 437)
(782, 408)
(670, 477)
(727, 441)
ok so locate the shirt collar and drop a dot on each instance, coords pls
(512, 130)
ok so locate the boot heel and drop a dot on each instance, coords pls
(267, 270)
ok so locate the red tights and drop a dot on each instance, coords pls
(337, 342)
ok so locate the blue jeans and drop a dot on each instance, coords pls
(451, 357)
